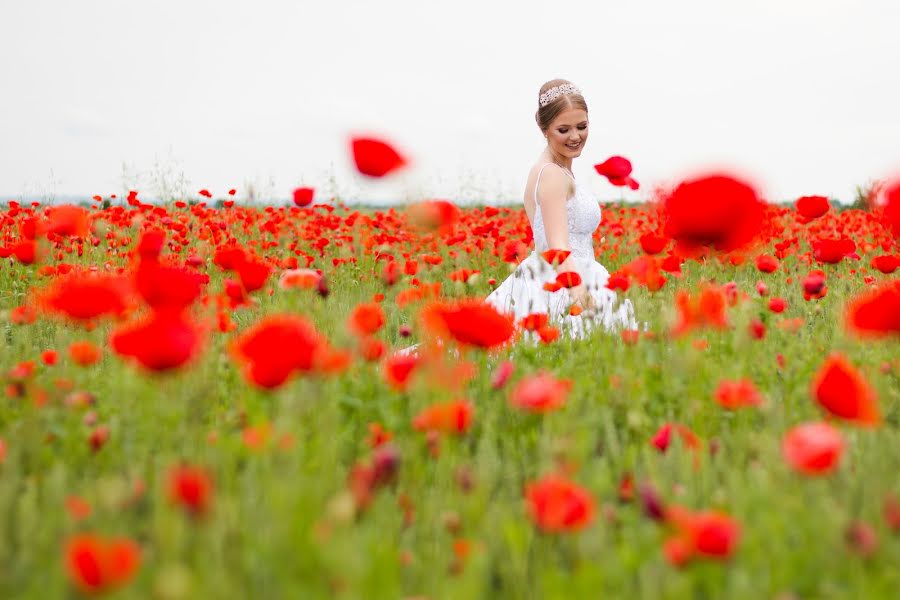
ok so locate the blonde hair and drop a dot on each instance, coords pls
(545, 114)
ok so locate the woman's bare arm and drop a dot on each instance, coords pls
(553, 193)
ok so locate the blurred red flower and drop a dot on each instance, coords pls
(374, 157)
(842, 391)
(557, 505)
(191, 488)
(97, 565)
(813, 448)
(540, 392)
(876, 313)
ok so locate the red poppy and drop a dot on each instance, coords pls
(842, 391)
(84, 353)
(68, 220)
(303, 196)
(398, 370)
(767, 263)
(165, 287)
(617, 169)
(540, 393)
(253, 274)
(716, 210)
(451, 417)
(777, 305)
(833, 250)
(886, 263)
(502, 374)
(568, 279)
(814, 285)
(205, 193)
(86, 297)
(711, 534)
(556, 505)
(555, 256)
(472, 322)
(891, 213)
(707, 309)
(191, 488)
(277, 347)
(97, 565)
(534, 321)
(737, 394)
(160, 342)
(876, 313)
(374, 157)
(663, 437)
(812, 207)
(431, 215)
(813, 448)
(652, 243)
(366, 319)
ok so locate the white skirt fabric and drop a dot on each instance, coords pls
(522, 293)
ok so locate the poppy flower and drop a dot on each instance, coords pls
(833, 250)
(303, 196)
(431, 215)
(812, 207)
(663, 437)
(540, 393)
(555, 256)
(710, 534)
(398, 370)
(164, 287)
(706, 309)
(374, 157)
(83, 298)
(777, 305)
(841, 390)
(876, 313)
(737, 394)
(717, 211)
(652, 243)
(160, 342)
(813, 448)
(767, 263)
(814, 285)
(557, 505)
(886, 263)
(568, 279)
(534, 321)
(646, 270)
(617, 170)
(96, 565)
(366, 319)
(451, 417)
(277, 347)
(205, 193)
(299, 278)
(191, 488)
(891, 211)
(502, 374)
(84, 353)
(471, 322)
(68, 220)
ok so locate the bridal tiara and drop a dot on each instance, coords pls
(557, 91)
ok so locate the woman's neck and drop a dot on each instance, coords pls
(563, 161)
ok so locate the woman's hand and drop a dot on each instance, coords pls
(582, 297)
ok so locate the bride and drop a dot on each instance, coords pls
(563, 216)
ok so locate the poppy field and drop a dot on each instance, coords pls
(209, 399)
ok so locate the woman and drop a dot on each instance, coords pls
(563, 216)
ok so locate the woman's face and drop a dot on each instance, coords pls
(568, 132)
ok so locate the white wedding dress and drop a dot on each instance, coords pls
(523, 293)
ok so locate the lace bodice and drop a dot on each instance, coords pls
(583, 219)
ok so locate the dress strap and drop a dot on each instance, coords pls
(538, 180)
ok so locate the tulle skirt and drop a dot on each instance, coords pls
(523, 293)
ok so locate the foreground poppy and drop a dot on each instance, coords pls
(812, 207)
(842, 391)
(707, 309)
(191, 488)
(303, 196)
(86, 297)
(471, 322)
(717, 211)
(710, 534)
(876, 313)
(277, 347)
(813, 448)
(374, 157)
(451, 417)
(160, 342)
(97, 565)
(556, 505)
(737, 394)
(540, 393)
(891, 213)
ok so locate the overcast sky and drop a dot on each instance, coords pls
(802, 96)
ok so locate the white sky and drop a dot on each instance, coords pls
(801, 95)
